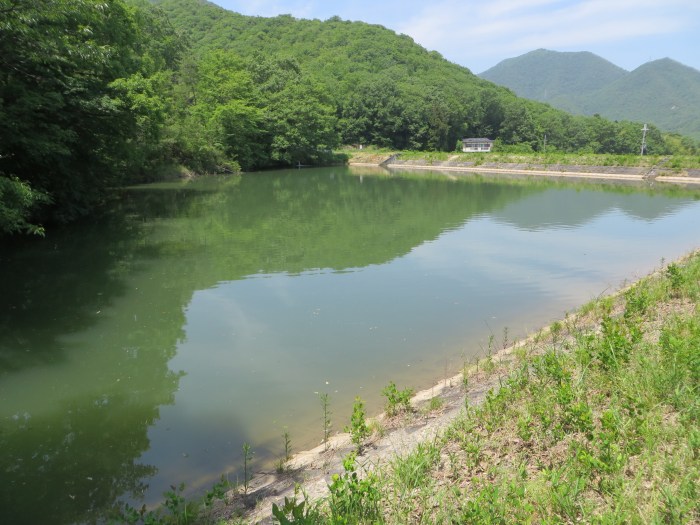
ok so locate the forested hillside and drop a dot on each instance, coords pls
(663, 92)
(387, 90)
(97, 94)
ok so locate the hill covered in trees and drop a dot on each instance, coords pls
(554, 77)
(97, 94)
(389, 91)
(663, 92)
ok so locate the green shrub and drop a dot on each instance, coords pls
(358, 425)
(397, 400)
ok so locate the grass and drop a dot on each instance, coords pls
(675, 162)
(596, 422)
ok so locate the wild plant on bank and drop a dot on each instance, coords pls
(602, 426)
(296, 511)
(175, 509)
(247, 457)
(353, 499)
(287, 451)
(434, 404)
(358, 428)
(326, 417)
(287, 445)
(397, 400)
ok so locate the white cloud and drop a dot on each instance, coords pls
(469, 32)
(480, 34)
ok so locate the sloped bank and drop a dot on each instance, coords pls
(592, 417)
(689, 176)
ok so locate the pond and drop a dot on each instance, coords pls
(144, 349)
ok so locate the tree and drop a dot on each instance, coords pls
(17, 201)
(302, 124)
(77, 96)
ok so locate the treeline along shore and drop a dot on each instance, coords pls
(99, 95)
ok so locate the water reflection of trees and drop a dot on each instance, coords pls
(75, 412)
(71, 466)
(303, 220)
(563, 207)
(102, 306)
(110, 297)
(54, 285)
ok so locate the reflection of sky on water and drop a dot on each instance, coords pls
(265, 294)
(259, 349)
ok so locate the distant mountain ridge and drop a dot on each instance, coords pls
(663, 92)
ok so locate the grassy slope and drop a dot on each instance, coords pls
(596, 421)
(677, 162)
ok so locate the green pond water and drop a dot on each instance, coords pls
(143, 349)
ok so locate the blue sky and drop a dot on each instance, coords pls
(479, 34)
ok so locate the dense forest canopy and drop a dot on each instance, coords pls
(98, 93)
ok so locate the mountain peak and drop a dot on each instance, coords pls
(584, 83)
(546, 75)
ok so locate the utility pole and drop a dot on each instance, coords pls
(644, 139)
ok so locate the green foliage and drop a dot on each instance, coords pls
(287, 445)
(675, 277)
(618, 337)
(296, 513)
(79, 104)
(397, 400)
(358, 429)
(99, 94)
(411, 471)
(679, 342)
(17, 201)
(387, 91)
(353, 499)
(175, 509)
(436, 403)
(638, 301)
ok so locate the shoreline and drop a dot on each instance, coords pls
(582, 172)
(311, 471)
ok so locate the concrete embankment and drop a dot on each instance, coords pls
(603, 173)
